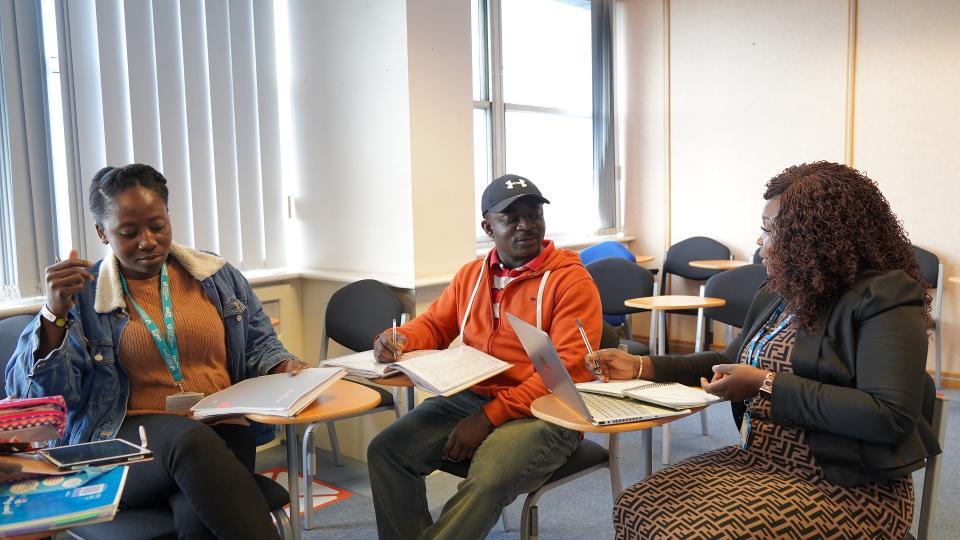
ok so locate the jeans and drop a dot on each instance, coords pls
(516, 457)
(203, 474)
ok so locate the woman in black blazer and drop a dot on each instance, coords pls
(827, 381)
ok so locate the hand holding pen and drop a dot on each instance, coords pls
(389, 345)
(596, 364)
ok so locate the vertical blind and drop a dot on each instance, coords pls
(191, 89)
(26, 206)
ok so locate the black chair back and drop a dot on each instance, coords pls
(10, 330)
(619, 280)
(737, 286)
(929, 265)
(610, 337)
(358, 312)
(698, 248)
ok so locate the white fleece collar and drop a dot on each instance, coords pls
(109, 294)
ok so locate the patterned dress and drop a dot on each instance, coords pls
(774, 489)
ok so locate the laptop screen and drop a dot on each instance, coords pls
(547, 362)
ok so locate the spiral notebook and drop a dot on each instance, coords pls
(673, 395)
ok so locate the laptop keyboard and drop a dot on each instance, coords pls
(611, 408)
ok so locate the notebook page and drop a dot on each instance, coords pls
(443, 372)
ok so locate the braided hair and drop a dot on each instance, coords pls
(833, 225)
(109, 181)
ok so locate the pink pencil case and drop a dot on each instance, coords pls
(32, 419)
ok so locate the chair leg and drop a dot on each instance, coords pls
(309, 462)
(334, 445)
(528, 518)
(931, 479)
(613, 451)
(282, 522)
(665, 457)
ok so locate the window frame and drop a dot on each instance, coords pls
(491, 102)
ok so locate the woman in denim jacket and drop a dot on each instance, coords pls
(136, 339)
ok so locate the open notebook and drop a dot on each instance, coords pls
(442, 373)
(673, 395)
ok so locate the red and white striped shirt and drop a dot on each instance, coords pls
(501, 275)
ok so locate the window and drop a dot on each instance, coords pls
(542, 102)
(190, 88)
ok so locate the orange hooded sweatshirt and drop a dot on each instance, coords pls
(559, 293)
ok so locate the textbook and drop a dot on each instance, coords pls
(33, 506)
(273, 395)
(672, 395)
(443, 372)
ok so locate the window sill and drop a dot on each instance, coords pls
(576, 243)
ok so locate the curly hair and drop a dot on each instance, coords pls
(833, 225)
(109, 181)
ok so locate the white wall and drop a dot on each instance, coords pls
(383, 132)
(757, 86)
(441, 126)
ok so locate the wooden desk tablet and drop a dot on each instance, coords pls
(341, 399)
(549, 408)
(398, 381)
(643, 258)
(954, 279)
(718, 264)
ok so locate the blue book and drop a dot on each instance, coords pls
(33, 508)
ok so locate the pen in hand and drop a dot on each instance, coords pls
(393, 336)
(596, 364)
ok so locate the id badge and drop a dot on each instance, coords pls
(183, 401)
(745, 431)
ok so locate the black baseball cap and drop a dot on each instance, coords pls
(503, 191)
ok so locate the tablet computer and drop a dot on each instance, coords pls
(95, 454)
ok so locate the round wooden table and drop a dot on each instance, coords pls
(718, 264)
(643, 258)
(551, 409)
(659, 305)
(343, 398)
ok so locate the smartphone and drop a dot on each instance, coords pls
(93, 454)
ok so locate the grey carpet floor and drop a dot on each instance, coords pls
(582, 508)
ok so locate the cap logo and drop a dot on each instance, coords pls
(511, 183)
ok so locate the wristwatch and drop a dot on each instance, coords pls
(766, 387)
(59, 322)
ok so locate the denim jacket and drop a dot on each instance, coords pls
(85, 369)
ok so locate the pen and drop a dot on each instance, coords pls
(583, 334)
(393, 334)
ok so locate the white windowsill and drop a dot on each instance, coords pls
(258, 278)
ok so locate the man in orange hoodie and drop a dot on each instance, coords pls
(490, 425)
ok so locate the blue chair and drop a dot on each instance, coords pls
(609, 249)
(606, 250)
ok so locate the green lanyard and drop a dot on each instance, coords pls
(168, 349)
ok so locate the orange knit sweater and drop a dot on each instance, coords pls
(200, 339)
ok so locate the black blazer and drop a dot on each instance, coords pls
(859, 384)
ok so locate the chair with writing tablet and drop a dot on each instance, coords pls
(355, 316)
(737, 287)
(618, 280)
(676, 262)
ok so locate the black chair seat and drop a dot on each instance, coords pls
(588, 454)
(157, 523)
